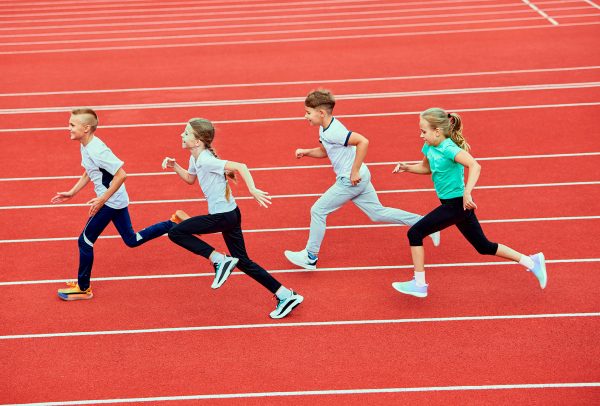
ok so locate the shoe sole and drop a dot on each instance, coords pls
(300, 264)
(76, 296)
(226, 274)
(289, 308)
(416, 294)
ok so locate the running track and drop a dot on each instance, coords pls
(525, 76)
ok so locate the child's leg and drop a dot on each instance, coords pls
(369, 203)
(471, 229)
(335, 197)
(122, 222)
(94, 227)
(183, 234)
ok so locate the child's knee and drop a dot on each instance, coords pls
(415, 236)
(84, 244)
(487, 248)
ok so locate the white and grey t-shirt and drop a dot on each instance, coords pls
(101, 166)
(334, 139)
(209, 171)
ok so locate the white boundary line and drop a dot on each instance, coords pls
(540, 12)
(288, 229)
(300, 99)
(293, 40)
(325, 392)
(298, 167)
(299, 324)
(296, 270)
(303, 82)
(277, 119)
(302, 195)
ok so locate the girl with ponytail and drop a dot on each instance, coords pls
(223, 216)
(446, 154)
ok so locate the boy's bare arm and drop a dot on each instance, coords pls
(318, 152)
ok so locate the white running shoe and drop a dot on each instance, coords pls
(301, 259)
(223, 270)
(285, 306)
(435, 237)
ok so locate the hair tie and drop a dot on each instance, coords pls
(449, 115)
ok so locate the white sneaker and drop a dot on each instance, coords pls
(301, 259)
(223, 270)
(285, 306)
(435, 237)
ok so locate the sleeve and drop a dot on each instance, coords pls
(451, 151)
(192, 166)
(425, 149)
(106, 160)
(210, 163)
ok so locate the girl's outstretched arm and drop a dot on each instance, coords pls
(183, 173)
(421, 168)
(261, 197)
(466, 160)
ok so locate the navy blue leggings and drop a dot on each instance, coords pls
(451, 212)
(97, 223)
(230, 225)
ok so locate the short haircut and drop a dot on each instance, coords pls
(320, 98)
(91, 116)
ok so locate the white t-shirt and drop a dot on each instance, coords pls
(210, 172)
(335, 141)
(101, 165)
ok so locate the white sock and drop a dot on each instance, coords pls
(420, 278)
(526, 261)
(216, 257)
(283, 293)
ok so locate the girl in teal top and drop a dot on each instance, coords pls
(445, 158)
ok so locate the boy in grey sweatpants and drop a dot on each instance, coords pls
(347, 151)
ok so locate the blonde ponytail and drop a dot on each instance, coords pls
(449, 123)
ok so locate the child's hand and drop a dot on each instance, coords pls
(61, 197)
(355, 177)
(97, 204)
(299, 153)
(261, 197)
(168, 163)
(401, 167)
(468, 203)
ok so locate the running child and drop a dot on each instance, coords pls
(445, 158)
(223, 216)
(106, 172)
(347, 151)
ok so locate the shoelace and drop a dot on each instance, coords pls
(72, 284)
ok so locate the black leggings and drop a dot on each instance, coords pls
(230, 225)
(451, 212)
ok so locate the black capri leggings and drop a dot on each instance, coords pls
(230, 225)
(451, 212)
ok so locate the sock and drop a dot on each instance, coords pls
(283, 293)
(311, 256)
(420, 278)
(526, 261)
(216, 257)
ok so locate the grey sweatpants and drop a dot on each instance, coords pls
(362, 195)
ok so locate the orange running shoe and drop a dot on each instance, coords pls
(179, 216)
(74, 293)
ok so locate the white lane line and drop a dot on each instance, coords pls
(293, 40)
(296, 270)
(301, 324)
(327, 392)
(591, 3)
(288, 229)
(302, 195)
(300, 99)
(304, 82)
(278, 119)
(245, 34)
(299, 167)
(540, 12)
